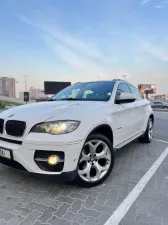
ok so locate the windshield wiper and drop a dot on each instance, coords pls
(51, 100)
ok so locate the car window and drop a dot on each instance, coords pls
(135, 91)
(157, 102)
(89, 91)
(86, 93)
(122, 88)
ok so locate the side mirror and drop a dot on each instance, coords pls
(122, 98)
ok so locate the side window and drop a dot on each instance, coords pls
(122, 88)
(135, 91)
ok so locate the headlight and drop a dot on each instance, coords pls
(56, 127)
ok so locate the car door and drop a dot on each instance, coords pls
(158, 104)
(123, 117)
(162, 104)
(140, 106)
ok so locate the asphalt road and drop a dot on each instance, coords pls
(161, 125)
(127, 197)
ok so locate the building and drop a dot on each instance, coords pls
(4, 86)
(21, 95)
(11, 88)
(163, 97)
(8, 87)
(35, 93)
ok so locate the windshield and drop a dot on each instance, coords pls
(90, 91)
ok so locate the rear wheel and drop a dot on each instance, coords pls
(96, 161)
(148, 135)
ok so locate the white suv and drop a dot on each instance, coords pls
(73, 136)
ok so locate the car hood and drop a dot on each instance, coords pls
(43, 111)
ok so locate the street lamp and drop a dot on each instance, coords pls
(25, 76)
(16, 82)
(124, 76)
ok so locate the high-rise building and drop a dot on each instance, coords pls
(11, 88)
(7, 87)
(3, 86)
(35, 93)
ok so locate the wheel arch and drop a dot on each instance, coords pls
(152, 117)
(104, 129)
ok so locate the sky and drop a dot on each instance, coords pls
(83, 40)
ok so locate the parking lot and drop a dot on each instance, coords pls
(128, 197)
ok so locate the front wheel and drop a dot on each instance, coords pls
(148, 135)
(96, 161)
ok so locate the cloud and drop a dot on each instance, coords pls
(145, 1)
(82, 56)
(78, 62)
(158, 6)
(77, 45)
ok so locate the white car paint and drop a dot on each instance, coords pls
(127, 121)
(9, 106)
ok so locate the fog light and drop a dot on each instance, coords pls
(53, 160)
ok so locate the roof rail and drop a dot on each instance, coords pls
(115, 80)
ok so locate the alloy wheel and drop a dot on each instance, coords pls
(150, 129)
(95, 161)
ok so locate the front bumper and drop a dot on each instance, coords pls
(23, 157)
(64, 176)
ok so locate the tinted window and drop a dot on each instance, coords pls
(90, 91)
(135, 91)
(123, 88)
(159, 103)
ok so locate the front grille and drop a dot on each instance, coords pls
(15, 128)
(1, 125)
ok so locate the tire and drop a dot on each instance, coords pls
(89, 172)
(148, 135)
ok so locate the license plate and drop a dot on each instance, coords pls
(5, 153)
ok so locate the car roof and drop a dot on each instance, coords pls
(110, 81)
(97, 81)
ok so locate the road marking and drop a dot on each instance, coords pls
(123, 208)
(161, 141)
